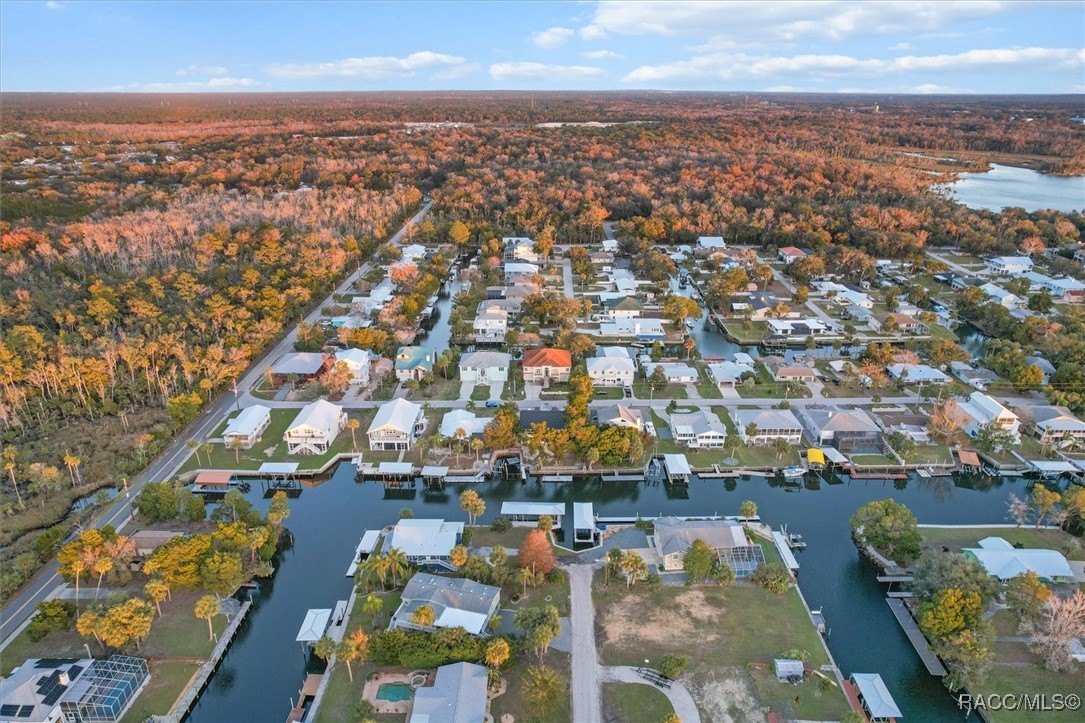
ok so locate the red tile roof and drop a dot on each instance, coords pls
(547, 357)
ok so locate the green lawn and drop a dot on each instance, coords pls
(957, 538)
(443, 389)
(512, 701)
(480, 393)
(515, 381)
(485, 537)
(768, 388)
(549, 593)
(721, 631)
(168, 680)
(876, 460)
(706, 387)
(756, 332)
(263, 390)
(634, 703)
(1033, 679)
(641, 390)
(608, 393)
(1029, 448)
(932, 454)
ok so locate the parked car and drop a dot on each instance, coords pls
(492, 404)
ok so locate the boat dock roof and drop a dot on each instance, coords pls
(583, 516)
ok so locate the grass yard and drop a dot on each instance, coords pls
(753, 335)
(480, 393)
(706, 387)
(168, 680)
(932, 454)
(634, 702)
(513, 703)
(957, 538)
(768, 388)
(485, 537)
(442, 389)
(641, 390)
(721, 631)
(608, 393)
(1029, 448)
(876, 460)
(1032, 679)
(549, 593)
(515, 382)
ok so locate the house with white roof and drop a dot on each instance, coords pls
(491, 323)
(245, 429)
(485, 367)
(315, 428)
(608, 371)
(980, 409)
(620, 415)
(768, 426)
(727, 374)
(413, 253)
(672, 539)
(610, 244)
(357, 363)
(1000, 296)
(698, 430)
(917, 374)
(711, 243)
(1004, 561)
(514, 269)
(457, 419)
(1059, 288)
(458, 695)
(396, 426)
(426, 541)
(633, 328)
(675, 372)
(1009, 265)
(1057, 427)
(854, 298)
(520, 248)
(620, 352)
(455, 602)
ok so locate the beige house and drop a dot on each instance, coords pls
(397, 425)
(315, 428)
(547, 364)
(673, 537)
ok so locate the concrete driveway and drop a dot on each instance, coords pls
(532, 391)
(495, 391)
(465, 390)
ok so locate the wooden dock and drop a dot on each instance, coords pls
(911, 629)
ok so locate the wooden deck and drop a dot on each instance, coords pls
(911, 629)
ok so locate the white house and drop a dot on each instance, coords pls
(621, 416)
(457, 419)
(1058, 427)
(245, 429)
(917, 374)
(981, 409)
(491, 323)
(790, 253)
(397, 425)
(1009, 265)
(516, 268)
(413, 253)
(675, 372)
(711, 243)
(610, 244)
(485, 367)
(520, 248)
(611, 371)
(1059, 288)
(1000, 296)
(769, 425)
(621, 352)
(1004, 561)
(357, 362)
(315, 428)
(639, 328)
(426, 541)
(698, 430)
(727, 374)
(855, 298)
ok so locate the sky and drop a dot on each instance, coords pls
(941, 46)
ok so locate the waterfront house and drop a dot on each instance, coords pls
(976, 377)
(414, 362)
(620, 352)
(458, 695)
(673, 537)
(315, 428)
(485, 367)
(611, 371)
(426, 541)
(698, 430)
(301, 366)
(1056, 426)
(769, 425)
(58, 690)
(620, 415)
(981, 409)
(917, 374)
(799, 328)
(396, 426)
(727, 374)
(639, 328)
(625, 307)
(1061, 289)
(1009, 265)
(469, 422)
(849, 431)
(675, 372)
(357, 363)
(455, 602)
(1004, 561)
(491, 323)
(790, 253)
(783, 371)
(1046, 368)
(547, 364)
(520, 273)
(413, 253)
(520, 248)
(900, 322)
(1000, 296)
(245, 429)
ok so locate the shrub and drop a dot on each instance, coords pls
(673, 666)
(501, 524)
(772, 576)
(53, 616)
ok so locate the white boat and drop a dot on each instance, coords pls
(689, 323)
(793, 471)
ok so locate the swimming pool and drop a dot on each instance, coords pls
(395, 692)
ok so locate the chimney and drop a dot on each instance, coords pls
(63, 678)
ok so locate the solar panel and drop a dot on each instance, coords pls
(47, 663)
(46, 682)
(9, 710)
(74, 671)
(54, 695)
(25, 712)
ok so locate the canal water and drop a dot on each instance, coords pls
(263, 670)
(1006, 186)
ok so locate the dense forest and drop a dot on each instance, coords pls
(153, 245)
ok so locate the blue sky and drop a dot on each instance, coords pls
(882, 47)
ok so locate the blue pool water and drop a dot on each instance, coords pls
(395, 692)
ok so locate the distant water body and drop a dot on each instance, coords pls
(1006, 186)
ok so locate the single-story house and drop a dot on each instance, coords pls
(698, 430)
(456, 602)
(485, 367)
(425, 541)
(547, 364)
(917, 374)
(621, 416)
(976, 377)
(727, 374)
(611, 371)
(673, 538)
(315, 428)
(639, 328)
(245, 429)
(676, 372)
(1057, 426)
(981, 409)
(845, 368)
(357, 362)
(960, 283)
(797, 327)
(147, 541)
(413, 252)
(711, 243)
(1046, 368)
(1009, 265)
(625, 307)
(414, 362)
(469, 422)
(1059, 288)
(854, 298)
(901, 322)
(1000, 296)
(554, 418)
(790, 253)
(783, 371)
(610, 244)
(458, 695)
(768, 426)
(849, 431)
(302, 366)
(1004, 561)
(396, 426)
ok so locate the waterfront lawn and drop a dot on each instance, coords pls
(1029, 448)
(168, 680)
(485, 537)
(1031, 679)
(512, 701)
(874, 460)
(642, 391)
(721, 631)
(932, 454)
(634, 702)
(756, 332)
(748, 456)
(958, 538)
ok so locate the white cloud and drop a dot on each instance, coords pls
(51, 5)
(201, 70)
(748, 21)
(552, 37)
(741, 66)
(188, 86)
(456, 71)
(602, 55)
(543, 71)
(592, 32)
(935, 89)
(371, 68)
(902, 46)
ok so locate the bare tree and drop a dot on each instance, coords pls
(1018, 509)
(1062, 622)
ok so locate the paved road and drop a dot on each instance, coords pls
(567, 276)
(587, 703)
(42, 585)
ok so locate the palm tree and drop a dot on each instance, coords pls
(72, 463)
(690, 345)
(614, 558)
(353, 649)
(193, 446)
(497, 653)
(398, 564)
(77, 566)
(460, 434)
(157, 590)
(352, 425)
(526, 576)
(751, 431)
(235, 445)
(781, 446)
(206, 448)
(208, 607)
(423, 616)
(477, 444)
(10, 467)
(380, 565)
(633, 566)
(373, 607)
(324, 648)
